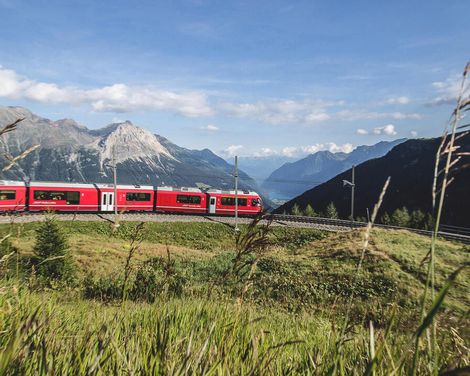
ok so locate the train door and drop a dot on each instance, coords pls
(107, 201)
(212, 201)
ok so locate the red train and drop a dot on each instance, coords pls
(17, 196)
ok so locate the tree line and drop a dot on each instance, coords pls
(401, 217)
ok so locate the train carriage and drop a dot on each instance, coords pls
(184, 200)
(76, 197)
(12, 196)
(223, 202)
(67, 197)
(129, 197)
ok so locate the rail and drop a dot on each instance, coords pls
(448, 232)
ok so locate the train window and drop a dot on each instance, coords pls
(7, 195)
(137, 196)
(230, 201)
(186, 199)
(255, 202)
(71, 197)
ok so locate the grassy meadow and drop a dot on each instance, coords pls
(181, 298)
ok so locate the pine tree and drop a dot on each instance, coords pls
(52, 257)
(309, 212)
(417, 219)
(429, 222)
(400, 217)
(296, 210)
(385, 219)
(331, 211)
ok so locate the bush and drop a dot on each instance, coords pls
(52, 259)
(104, 288)
(157, 276)
(8, 257)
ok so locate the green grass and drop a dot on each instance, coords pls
(174, 336)
(289, 322)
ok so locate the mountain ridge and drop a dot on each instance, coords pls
(411, 168)
(71, 152)
(291, 179)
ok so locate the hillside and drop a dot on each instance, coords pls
(71, 152)
(290, 317)
(293, 178)
(411, 167)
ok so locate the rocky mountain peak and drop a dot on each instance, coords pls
(130, 142)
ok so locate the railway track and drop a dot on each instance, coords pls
(447, 232)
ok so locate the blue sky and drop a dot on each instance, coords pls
(244, 77)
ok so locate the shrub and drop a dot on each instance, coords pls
(157, 276)
(8, 257)
(104, 288)
(52, 259)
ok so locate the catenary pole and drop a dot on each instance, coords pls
(115, 182)
(353, 185)
(236, 193)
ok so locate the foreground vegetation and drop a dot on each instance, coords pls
(171, 298)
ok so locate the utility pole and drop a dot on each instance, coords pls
(236, 193)
(353, 185)
(115, 183)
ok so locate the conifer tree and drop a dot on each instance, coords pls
(296, 210)
(309, 212)
(400, 217)
(331, 211)
(51, 250)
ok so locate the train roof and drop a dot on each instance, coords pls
(180, 189)
(12, 183)
(232, 192)
(87, 185)
(126, 186)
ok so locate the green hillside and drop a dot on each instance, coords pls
(283, 312)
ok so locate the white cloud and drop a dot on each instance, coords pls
(292, 151)
(361, 132)
(352, 115)
(265, 152)
(210, 128)
(448, 91)
(388, 130)
(397, 100)
(114, 98)
(414, 134)
(281, 111)
(232, 150)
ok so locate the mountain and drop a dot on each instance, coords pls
(71, 152)
(291, 179)
(411, 168)
(259, 168)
